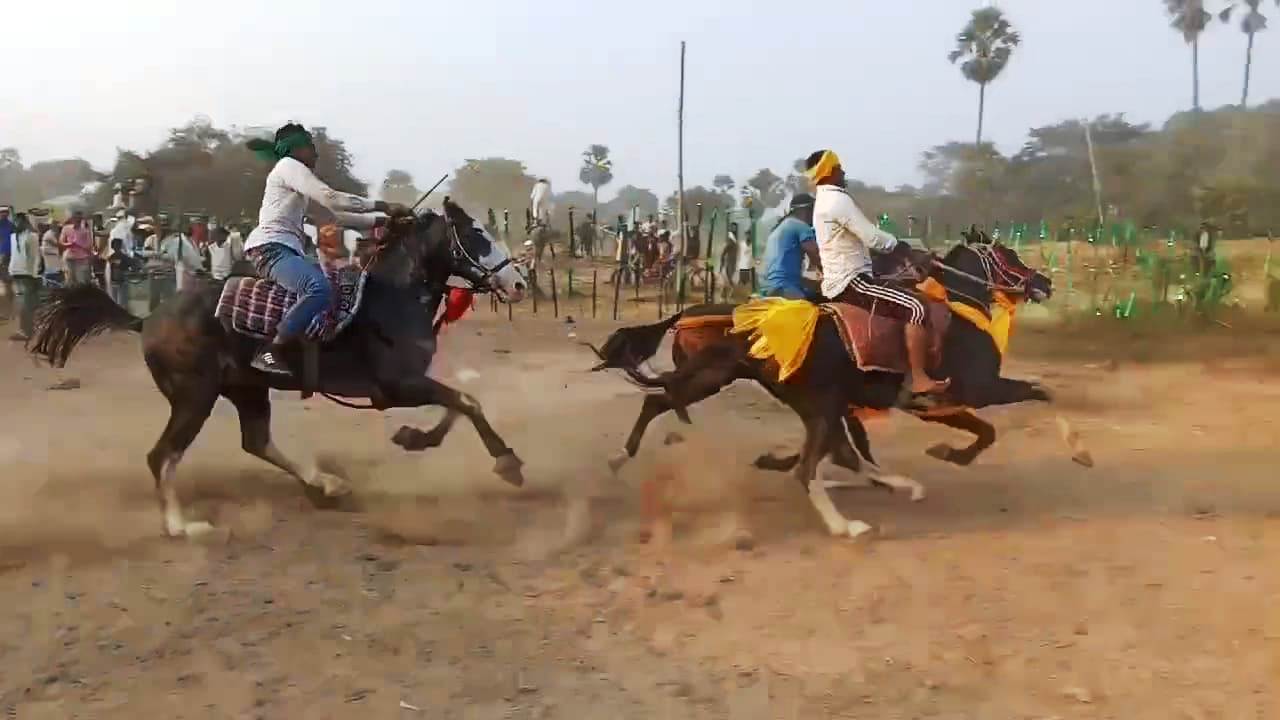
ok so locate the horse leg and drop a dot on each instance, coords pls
(421, 391)
(855, 436)
(415, 440)
(253, 404)
(811, 472)
(685, 386)
(188, 412)
(1009, 391)
(984, 437)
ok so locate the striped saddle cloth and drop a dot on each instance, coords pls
(254, 306)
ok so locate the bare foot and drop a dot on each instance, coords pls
(927, 386)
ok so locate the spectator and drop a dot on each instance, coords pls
(76, 241)
(223, 254)
(540, 217)
(6, 242)
(728, 267)
(746, 260)
(119, 265)
(122, 230)
(51, 252)
(24, 268)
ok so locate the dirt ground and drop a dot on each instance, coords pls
(1022, 587)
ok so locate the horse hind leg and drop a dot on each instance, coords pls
(253, 405)
(187, 415)
(853, 434)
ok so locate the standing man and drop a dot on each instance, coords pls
(792, 240)
(76, 242)
(845, 241)
(51, 251)
(6, 245)
(24, 268)
(540, 214)
(223, 254)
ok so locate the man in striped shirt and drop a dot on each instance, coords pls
(845, 241)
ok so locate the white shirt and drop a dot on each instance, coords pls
(123, 231)
(290, 184)
(745, 256)
(24, 258)
(51, 252)
(222, 257)
(845, 239)
(540, 201)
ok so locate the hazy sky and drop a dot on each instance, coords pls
(424, 84)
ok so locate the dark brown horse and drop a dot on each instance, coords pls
(383, 356)
(829, 389)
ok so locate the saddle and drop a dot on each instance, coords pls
(254, 306)
(877, 343)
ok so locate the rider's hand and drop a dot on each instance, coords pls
(395, 210)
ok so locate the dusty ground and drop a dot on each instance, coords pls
(1023, 587)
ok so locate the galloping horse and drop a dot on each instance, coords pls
(383, 355)
(829, 389)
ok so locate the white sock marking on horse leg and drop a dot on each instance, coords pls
(836, 523)
(842, 477)
(897, 482)
(174, 526)
(617, 461)
(309, 474)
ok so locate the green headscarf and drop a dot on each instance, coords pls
(272, 152)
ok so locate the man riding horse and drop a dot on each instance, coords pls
(845, 236)
(275, 245)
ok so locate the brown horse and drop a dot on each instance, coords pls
(829, 389)
(383, 356)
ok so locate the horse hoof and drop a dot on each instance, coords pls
(333, 485)
(205, 533)
(411, 439)
(858, 529)
(508, 468)
(318, 499)
(1083, 458)
(941, 452)
(617, 461)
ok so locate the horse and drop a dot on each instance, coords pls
(382, 356)
(829, 390)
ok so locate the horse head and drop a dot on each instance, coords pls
(451, 244)
(973, 269)
(481, 258)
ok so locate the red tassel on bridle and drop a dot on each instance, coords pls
(456, 305)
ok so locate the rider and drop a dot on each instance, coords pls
(845, 236)
(275, 247)
(791, 241)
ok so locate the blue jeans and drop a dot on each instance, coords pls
(298, 275)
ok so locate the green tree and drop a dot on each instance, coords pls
(596, 171)
(493, 182)
(398, 187)
(1252, 23)
(985, 46)
(765, 188)
(1190, 18)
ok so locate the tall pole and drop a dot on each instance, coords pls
(680, 216)
(1093, 167)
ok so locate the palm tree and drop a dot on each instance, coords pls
(1251, 24)
(985, 45)
(596, 171)
(1190, 18)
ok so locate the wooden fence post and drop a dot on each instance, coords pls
(594, 274)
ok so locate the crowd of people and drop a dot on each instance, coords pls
(38, 250)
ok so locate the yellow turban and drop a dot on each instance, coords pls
(823, 168)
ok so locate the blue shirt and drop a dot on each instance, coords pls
(6, 236)
(784, 258)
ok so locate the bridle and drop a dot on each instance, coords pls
(459, 254)
(1000, 275)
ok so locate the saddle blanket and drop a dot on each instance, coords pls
(254, 306)
(877, 342)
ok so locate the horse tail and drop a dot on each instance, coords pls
(72, 314)
(627, 347)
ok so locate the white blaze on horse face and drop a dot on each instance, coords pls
(508, 279)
